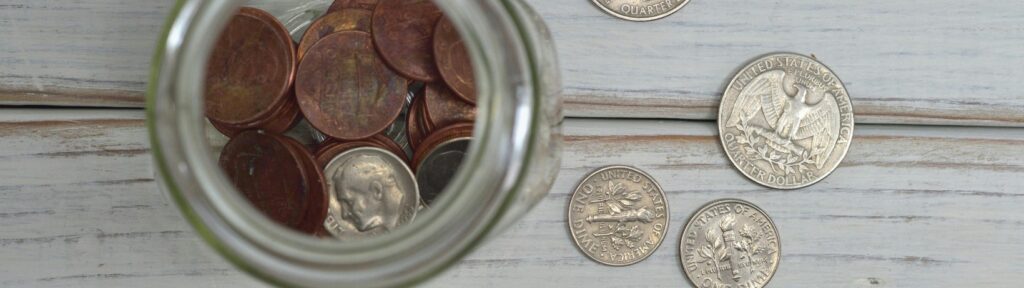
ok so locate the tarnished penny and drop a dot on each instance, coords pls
(414, 127)
(316, 212)
(251, 69)
(730, 243)
(640, 10)
(438, 166)
(453, 60)
(345, 91)
(341, 20)
(333, 148)
(357, 4)
(403, 31)
(371, 192)
(279, 121)
(443, 108)
(618, 215)
(786, 121)
(275, 179)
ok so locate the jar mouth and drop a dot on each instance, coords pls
(456, 222)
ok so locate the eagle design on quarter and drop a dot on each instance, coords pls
(786, 121)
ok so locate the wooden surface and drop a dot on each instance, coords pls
(936, 62)
(910, 207)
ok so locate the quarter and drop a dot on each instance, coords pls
(640, 10)
(786, 121)
(730, 243)
(618, 215)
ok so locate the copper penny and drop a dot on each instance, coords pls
(443, 108)
(251, 69)
(453, 60)
(345, 91)
(413, 128)
(460, 130)
(341, 20)
(282, 119)
(317, 210)
(358, 4)
(333, 147)
(268, 173)
(403, 31)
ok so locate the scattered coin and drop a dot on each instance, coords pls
(341, 20)
(618, 215)
(786, 121)
(371, 192)
(277, 178)
(403, 31)
(453, 60)
(640, 10)
(730, 243)
(345, 91)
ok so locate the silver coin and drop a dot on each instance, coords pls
(439, 166)
(786, 121)
(618, 215)
(641, 10)
(730, 243)
(371, 191)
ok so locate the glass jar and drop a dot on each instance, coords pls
(509, 167)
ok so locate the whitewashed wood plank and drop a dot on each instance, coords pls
(938, 62)
(911, 206)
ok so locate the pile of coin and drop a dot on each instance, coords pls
(386, 89)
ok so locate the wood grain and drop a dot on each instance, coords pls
(910, 206)
(941, 62)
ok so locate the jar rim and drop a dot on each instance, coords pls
(505, 126)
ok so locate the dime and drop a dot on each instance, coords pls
(618, 215)
(345, 91)
(276, 178)
(730, 243)
(342, 20)
(640, 10)
(403, 31)
(786, 121)
(443, 108)
(358, 4)
(453, 60)
(251, 70)
(371, 192)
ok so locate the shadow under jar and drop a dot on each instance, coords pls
(509, 166)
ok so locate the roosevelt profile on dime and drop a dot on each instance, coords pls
(786, 121)
(371, 191)
(618, 216)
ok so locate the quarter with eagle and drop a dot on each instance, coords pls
(786, 121)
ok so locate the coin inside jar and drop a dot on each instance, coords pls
(438, 168)
(358, 4)
(371, 192)
(341, 20)
(276, 178)
(345, 91)
(453, 60)
(442, 108)
(251, 69)
(403, 31)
